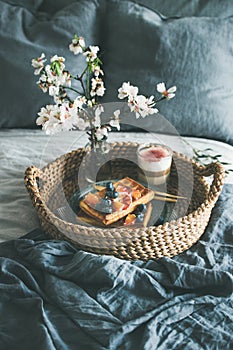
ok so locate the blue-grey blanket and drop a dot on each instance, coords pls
(55, 296)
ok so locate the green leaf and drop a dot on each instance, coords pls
(225, 163)
(203, 156)
(57, 67)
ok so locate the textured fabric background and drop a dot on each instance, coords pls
(54, 296)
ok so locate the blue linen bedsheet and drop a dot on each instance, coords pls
(55, 296)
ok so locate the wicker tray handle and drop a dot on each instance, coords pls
(31, 177)
(218, 172)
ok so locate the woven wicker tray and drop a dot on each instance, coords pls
(52, 186)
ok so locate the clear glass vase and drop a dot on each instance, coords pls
(97, 162)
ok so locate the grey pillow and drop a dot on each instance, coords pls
(51, 6)
(33, 5)
(23, 36)
(208, 8)
(195, 54)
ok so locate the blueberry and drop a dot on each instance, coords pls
(140, 218)
(141, 208)
(136, 211)
(114, 194)
(108, 194)
(107, 202)
(111, 194)
(110, 186)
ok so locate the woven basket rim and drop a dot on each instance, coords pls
(207, 203)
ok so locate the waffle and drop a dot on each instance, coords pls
(138, 193)
(88, 220)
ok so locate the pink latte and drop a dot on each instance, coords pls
(155, 162)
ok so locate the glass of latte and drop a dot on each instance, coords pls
(154, 161)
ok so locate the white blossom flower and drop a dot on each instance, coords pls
(79, 102)
(74, 111)
(43, 115)
(137, 104)
(38, 63)
(168, 93)
(97, 87)
(142, 106)
(91, 53)
(46, 111)
(51, 81)
(78, 45)
(148, 110)
(98, 111)
(100, 91)
(91, 103)
(53, 126)
(82, 41)
(60, 60)
(58, 99)
(127, 90)
(55, 118)
(115, 122)
(101, 133)
(47, 79)
(50, 75)
(79, 122)
(47, 119)
(43, 85)
(53, 90)
(64, 79)
(66, 119)
(94, 82)
(97, 71)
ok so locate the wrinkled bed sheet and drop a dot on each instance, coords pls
(22, 148)
(54, 296)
